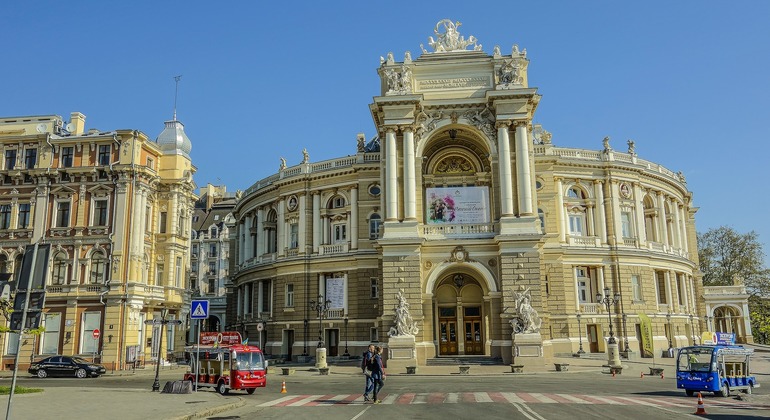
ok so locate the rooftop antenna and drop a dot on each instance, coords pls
(176, 92)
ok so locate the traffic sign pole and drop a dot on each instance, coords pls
(198, 355)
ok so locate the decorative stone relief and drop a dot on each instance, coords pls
(399, 83)
(450, 39)
(483, 119)
(405, 326)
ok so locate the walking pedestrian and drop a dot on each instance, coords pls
(366, 360)
(378, 373)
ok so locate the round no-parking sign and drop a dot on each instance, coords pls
(96, 334)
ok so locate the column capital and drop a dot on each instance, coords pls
(390, 129)
(519, 123)
(501, 124)
(406, 128)
(597, 181)
(558, 178)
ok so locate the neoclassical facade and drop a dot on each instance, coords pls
(472, 217)
(115, 207)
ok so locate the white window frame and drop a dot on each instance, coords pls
(290, 295)
(294, 236)
(374, 225)
(339, 233)
(583, 278)
(627, 228)
(12, 343)
(55, 221)
(106, 201)
(577, 223)
(50, 339)
(89, 322)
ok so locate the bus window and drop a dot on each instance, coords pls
(694, 359)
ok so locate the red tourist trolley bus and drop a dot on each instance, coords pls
(226, 364)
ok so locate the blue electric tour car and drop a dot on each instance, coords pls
(720, 369)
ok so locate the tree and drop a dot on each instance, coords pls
(726, 255)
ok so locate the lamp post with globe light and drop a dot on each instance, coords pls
(608, 299)
(321, 306)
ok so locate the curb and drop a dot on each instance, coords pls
(213, 410)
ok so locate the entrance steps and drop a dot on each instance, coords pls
(463, 360)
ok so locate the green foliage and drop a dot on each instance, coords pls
(726, 256)
(6, 390)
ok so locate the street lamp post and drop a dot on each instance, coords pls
(321, 307)
(625, 335)
(668, 320)
(608, 299)
(304, 349)
(692, 331)
(163, 322)
(346, 337)
(580, 335)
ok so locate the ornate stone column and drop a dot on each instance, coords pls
(640, 227)
(410, 186)
(248, 242)
(601, 222)
(683, 229)
(617, 226)
(676, 231)
(280, 227)
(504, 166)
(523, 172)
(354, 218)
(391, 175)
(560, 208)
(302, 230)
(316, 221)
(669, 292)
(262, 238)
(662, 218)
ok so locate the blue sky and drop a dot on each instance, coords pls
(686, 80)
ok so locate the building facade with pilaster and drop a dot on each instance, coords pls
(469, 218)
(115, 207)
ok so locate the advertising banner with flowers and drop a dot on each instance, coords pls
(457, 205)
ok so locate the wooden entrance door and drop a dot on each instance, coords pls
(473, 344)
(593, 338)
(448, 335)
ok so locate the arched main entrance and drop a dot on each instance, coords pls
(460, 314)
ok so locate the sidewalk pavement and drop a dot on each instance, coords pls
(97, 403)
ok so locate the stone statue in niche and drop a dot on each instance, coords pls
(405, 326)
(527, 320)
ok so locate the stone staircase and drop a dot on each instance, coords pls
(463, 360)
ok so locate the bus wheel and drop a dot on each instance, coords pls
(222, 388)
(689, 392)
(251, 390)
(724, 392)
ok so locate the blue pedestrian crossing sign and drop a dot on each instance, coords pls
(199, 309)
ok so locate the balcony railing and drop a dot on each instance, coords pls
(590, 241)
(475, 230)
(333, 249)
(589, 308)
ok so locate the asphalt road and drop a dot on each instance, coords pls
(570, 395)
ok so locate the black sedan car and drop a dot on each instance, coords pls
(65, 366)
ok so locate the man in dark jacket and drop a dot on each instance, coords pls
(365, 362)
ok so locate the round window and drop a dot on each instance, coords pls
(538, 185)
(374, 190)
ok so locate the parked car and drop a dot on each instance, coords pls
(66, 366)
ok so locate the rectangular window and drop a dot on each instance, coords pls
(30, 158)
(10, 159)
(178, 275)
(293, 236)
(373, 336)
(340, 233)
(289, 295)
(159, 275)
(5, 216)
(59, 274)
(62, 214)
(212, 250)
(100, 213)
(374, 226)
(577, 224)
(660, 279)
(13, 343)
(265, 297)
(97, 270)
(625, 223)
(212, 286)
(680, 288)
(67, 154)
(91, 321)
(23, 216)
(584, 285)
(150, 163)
(195, 250)
(374, 288)
(104, 154)
(636, 288)
(50, 343)
(170, 338)
(162, 222)
(212, 268)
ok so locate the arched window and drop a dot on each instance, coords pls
(577, 212)
(374, 226)
(59, 275)
(649, 219)
(270, 229)
(98, 264)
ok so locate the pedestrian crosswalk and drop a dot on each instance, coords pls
(499, 397)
